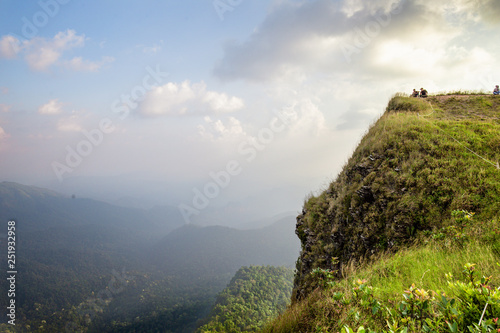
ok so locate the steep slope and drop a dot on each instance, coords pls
(423, 159)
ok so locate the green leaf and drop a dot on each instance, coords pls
(453, 327)
(375, 308)
(347, 329)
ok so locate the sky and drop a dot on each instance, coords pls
(230, 110)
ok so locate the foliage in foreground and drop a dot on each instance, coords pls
(472, 301)
(425, 288)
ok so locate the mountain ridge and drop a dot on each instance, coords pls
(422, 184)
(68, 249)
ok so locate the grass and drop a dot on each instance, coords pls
(389, 276)
(422, 160)
(427, 267)
(463, 92)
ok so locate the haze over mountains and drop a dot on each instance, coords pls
(70, 247)
(261, 206)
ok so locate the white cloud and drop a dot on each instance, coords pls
(5, 108)
(9, 47)
(42, 53)
(187, 99)
(77, 121)
(52, 107)
(41, 58)
(216, 130)
(309, 119)
(304, 121)
(3, 136)
(70, 124)
(81, 65)
(219, 102)
(360, 38)
(4, 90)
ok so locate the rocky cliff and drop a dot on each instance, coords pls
(421, 160)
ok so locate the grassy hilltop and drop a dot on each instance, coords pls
(400, 241)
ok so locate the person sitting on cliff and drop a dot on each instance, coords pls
(423, 93)
(414, 93)
(496, 91)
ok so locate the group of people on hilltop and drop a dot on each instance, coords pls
(422, 93)
(496, 91)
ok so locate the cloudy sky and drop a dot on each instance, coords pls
(256, 102)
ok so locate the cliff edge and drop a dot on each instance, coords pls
(423, 159)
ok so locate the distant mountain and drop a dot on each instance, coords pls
(223, 249)
(68, 249)
(188, 268)
(65, 246)
(261, 223)
(39, 209)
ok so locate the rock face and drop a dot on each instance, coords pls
(406, 176)
(359, 215)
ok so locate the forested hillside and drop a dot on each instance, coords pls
(254, 296)
(90, 266)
